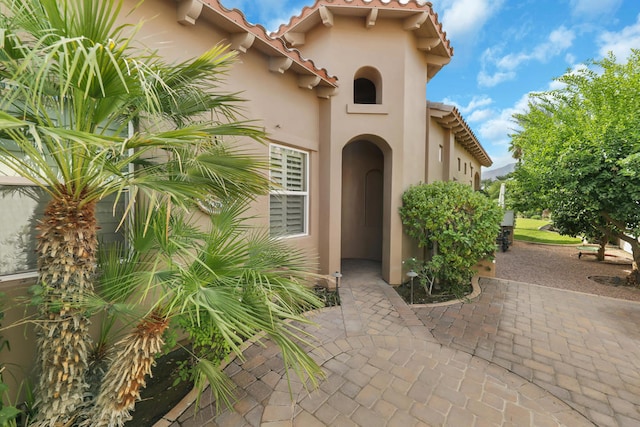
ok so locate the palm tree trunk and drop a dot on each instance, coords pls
(132, 362)
(67, 263)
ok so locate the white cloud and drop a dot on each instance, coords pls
(620, 43)
(497, 69)
(555, 84)
(462, 19)
(558, 41)
(476, 102)
(489, 80)
(479, 115)
(496, 130)
(449, 101)
(593, 9)
(473, 111)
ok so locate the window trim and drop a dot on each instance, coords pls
(284, 192)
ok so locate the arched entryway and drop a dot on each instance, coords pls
(363, 200)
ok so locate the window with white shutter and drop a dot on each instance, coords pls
(289, 196)
(21, 206)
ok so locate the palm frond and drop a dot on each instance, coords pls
(221, 385)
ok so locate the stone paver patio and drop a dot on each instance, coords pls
(518, 355)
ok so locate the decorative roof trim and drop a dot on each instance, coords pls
(374, 5)
(255, 33)
(450, 117)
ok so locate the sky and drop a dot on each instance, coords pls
(503, 50)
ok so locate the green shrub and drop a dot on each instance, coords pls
(207, 343)
(456, 225)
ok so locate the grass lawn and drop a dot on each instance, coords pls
(528, 230)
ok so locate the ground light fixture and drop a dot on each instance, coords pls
(337, 275)
(412, 274)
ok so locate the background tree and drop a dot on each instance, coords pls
(456, 224)
(579, 148)
(73, 83)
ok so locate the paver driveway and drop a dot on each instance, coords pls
(584, 349)
(518, 355)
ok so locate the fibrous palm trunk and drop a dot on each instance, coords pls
(67, 263)
(133, 359)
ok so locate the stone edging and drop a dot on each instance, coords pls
(475, 293)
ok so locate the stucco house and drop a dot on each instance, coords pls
(341, 90)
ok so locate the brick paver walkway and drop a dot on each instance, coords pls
(584, 349)
(519, 355)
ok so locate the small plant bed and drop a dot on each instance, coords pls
(163, 390)
(421, 296)
(328, 297)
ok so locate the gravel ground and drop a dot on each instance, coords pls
(558, 266)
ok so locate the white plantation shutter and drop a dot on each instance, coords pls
(288, 202)
(276, 165)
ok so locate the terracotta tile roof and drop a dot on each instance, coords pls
(235, 22)
(426, 27)
(450, 117)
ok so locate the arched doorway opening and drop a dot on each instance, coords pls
(363, 201)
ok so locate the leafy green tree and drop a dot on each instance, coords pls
(456, 224)
(524, 195)
(579, 148)
(73, 84)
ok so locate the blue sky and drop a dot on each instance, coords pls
(503, 50)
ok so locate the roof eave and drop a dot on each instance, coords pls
(244, 36)
(449, 117)
(418, 18)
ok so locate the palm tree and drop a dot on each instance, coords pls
(229, 279)
(84, 115)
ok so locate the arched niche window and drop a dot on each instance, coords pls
(367, 86)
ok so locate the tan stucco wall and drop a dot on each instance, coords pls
(289, 114)
(397, 126)
(21, 336)
(452, 150)
(438, 170)
(462, 175)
